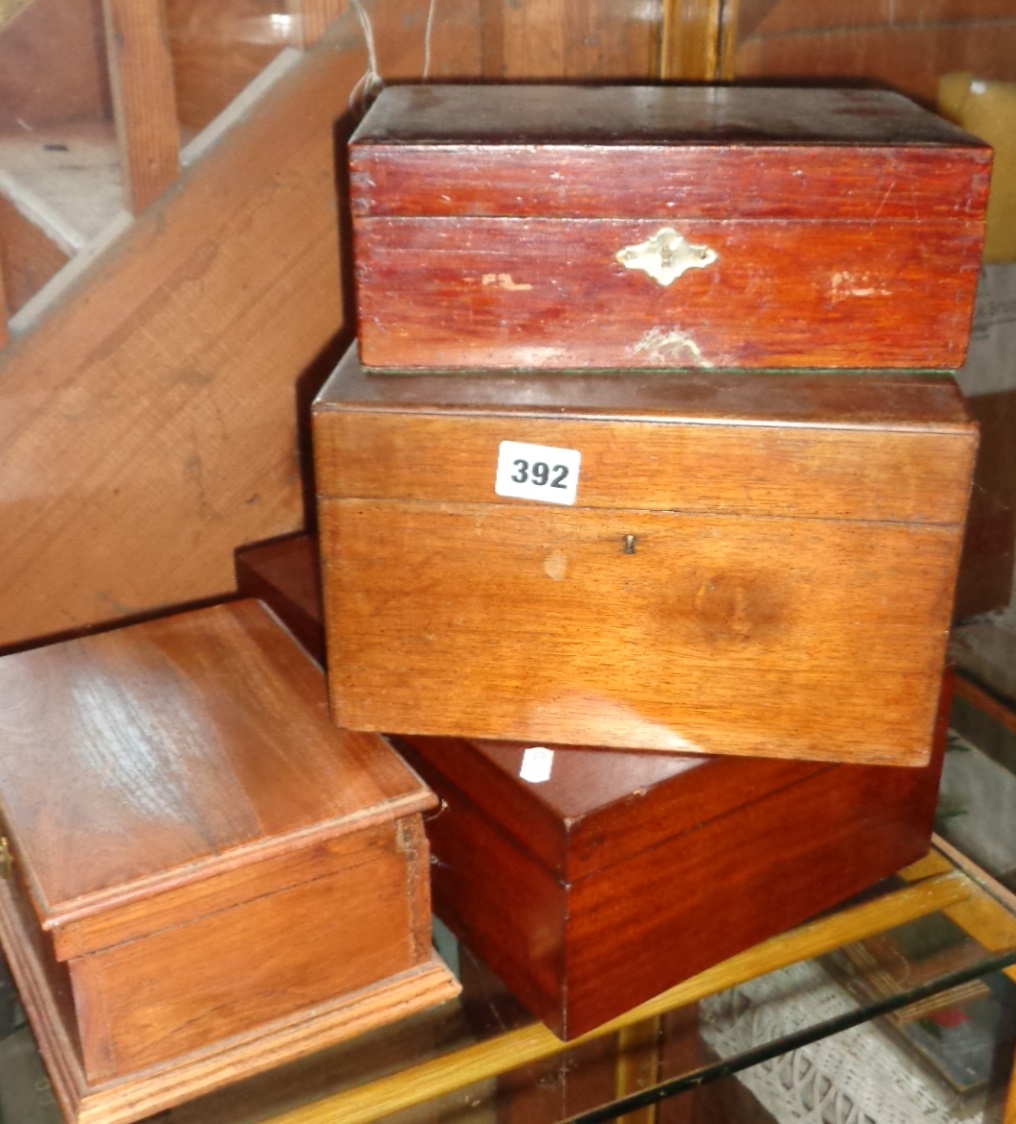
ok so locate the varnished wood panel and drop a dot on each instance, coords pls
(144, 105)
(152, 1000)
(908, 45)
(518, 262)
(718, 635)
(506, 302)
(583, 817)
(634, 927)
(179, 733)
(28, 258)
(736, 469)
(205, 801)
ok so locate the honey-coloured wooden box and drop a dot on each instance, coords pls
(203, 876)
(760, 566)
(663, 227)
(622, 874)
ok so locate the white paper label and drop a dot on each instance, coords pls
(537, 472)
(537, 762)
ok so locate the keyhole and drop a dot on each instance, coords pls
(629, 544)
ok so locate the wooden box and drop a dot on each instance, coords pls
(663, 227)
(204, 876)
(622, 874)
(759, 566)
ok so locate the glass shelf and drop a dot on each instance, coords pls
(913, 979)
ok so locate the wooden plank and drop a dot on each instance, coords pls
(310, 19)
(28, 258)
(144, 100)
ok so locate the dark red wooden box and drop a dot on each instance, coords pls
(624, 873)
(663, 227)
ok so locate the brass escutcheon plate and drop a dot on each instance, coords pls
(666, 256)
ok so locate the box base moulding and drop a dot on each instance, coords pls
(139, 1095)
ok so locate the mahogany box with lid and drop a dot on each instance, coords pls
(697, 563)
(592, 880)
(204, 876)
(663, 227)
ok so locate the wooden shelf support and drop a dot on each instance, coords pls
(144, 99)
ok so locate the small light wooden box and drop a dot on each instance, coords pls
(754, 565)
(632, 227)
(207, 878)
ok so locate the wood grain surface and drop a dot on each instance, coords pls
(188, 746)
(599, 807)
(779, 599)
(204, 799)
(549, 293)
(578, 951)
(144, 102)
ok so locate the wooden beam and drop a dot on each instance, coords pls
(144, 100)
(696, 40)
(310, 19)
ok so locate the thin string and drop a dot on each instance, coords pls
(370, 83)
(426, 38)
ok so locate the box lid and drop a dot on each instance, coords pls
(879, 447)
(596, 807)
(148, 759)
(640, 152)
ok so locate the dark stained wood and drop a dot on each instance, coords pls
(170, 790)
(286, 575)
(513, 263)
(582, 947)
(780, 599)
(780, 294)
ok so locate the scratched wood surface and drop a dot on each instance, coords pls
(544, 278)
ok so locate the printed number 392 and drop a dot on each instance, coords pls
(540, 473)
